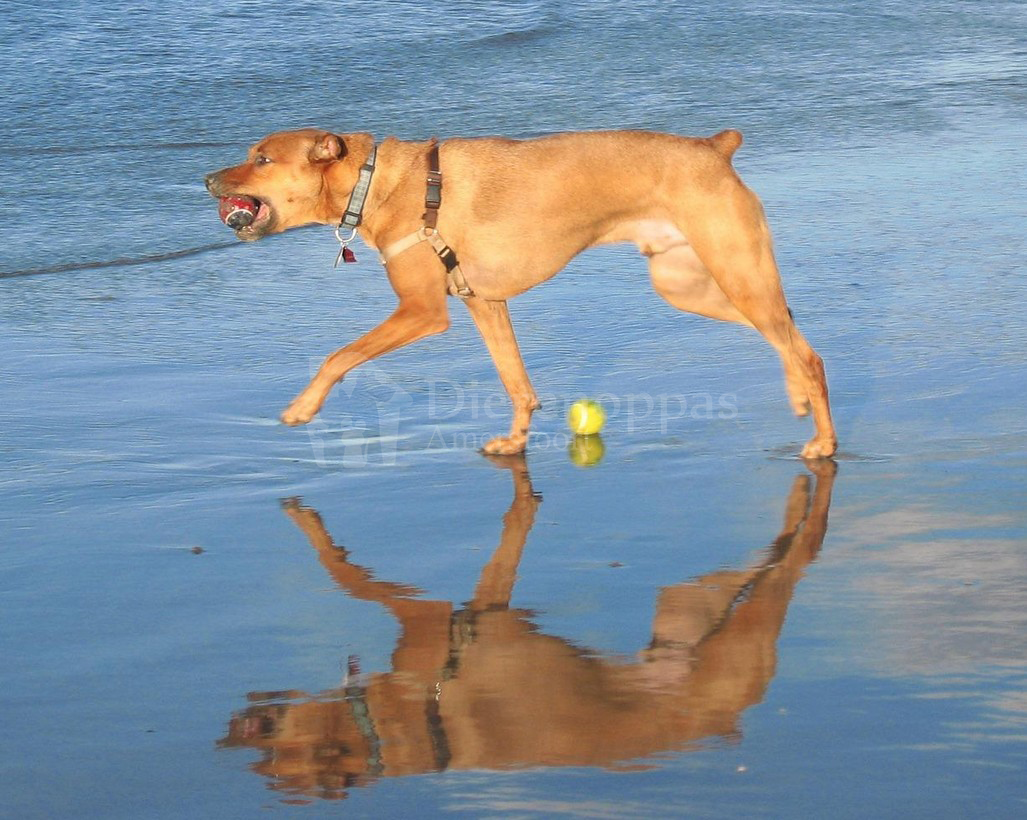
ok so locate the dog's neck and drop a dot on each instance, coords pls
(395, 200)
(341, 176)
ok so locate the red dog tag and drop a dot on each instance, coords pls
(344, 255)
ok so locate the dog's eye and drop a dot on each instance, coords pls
(260, 159)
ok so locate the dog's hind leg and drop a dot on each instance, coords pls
(683, 281)
(730, 236)
(493, 322)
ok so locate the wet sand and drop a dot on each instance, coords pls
(695, 620)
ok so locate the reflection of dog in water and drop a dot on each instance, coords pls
(480, 687)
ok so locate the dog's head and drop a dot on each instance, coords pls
(288, 174)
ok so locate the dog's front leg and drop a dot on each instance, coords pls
(493, 322)
(411, 321)
(495, 587)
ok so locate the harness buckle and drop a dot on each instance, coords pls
(448, 257)
(433, 195)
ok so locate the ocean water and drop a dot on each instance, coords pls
(208, 614)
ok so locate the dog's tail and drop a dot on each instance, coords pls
(727, 142)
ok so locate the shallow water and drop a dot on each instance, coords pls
(207, 613)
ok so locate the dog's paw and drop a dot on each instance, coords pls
(822, 468)
(820, 448)
(299, 412)
(505, 446)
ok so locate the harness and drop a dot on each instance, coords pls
(456, 283)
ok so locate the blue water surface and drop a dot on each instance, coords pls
(208, 614)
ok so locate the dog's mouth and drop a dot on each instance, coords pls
(250, 217)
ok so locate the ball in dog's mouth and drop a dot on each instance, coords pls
(238, 211)
(246, 215)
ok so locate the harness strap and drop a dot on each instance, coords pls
(456, 283)
(433, 191)
(404, 244)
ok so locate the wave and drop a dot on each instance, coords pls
(11, 150)
(515, 37)
(120, 262)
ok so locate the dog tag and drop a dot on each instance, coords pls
(345, 255)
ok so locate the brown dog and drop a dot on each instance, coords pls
(677, 198)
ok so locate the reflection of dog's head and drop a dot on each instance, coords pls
(311, 748)
(285, 173)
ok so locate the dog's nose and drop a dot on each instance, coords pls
(209, 179)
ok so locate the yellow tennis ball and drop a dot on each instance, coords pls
(586, 417)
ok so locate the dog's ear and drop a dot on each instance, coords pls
(327, 148)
